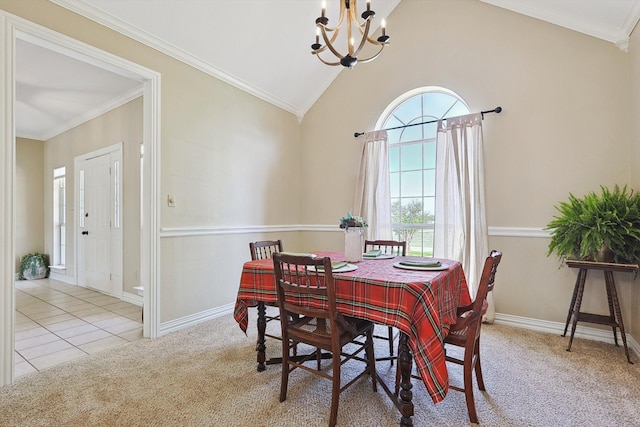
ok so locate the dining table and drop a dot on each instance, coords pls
(392, 291)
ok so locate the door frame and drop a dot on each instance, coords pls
(11, 28)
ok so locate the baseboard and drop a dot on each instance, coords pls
(61, 277)
(588, 333)
(132, 298)
(194, 319)
(556, 328)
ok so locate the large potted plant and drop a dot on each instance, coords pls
(34, 266)
(600, 227)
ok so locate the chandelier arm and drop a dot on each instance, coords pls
(328, 43)
(363, 40)
(326, 62)
(326, 38)
(371, 58)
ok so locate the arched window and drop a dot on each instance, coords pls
(412, 161)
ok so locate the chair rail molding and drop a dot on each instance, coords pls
(166, 232)
(519, 232)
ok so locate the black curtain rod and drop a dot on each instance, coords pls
(495, 110)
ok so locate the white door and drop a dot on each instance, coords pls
(99, 233)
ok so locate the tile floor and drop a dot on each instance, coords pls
(57, 322)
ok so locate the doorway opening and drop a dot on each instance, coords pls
(149, 81)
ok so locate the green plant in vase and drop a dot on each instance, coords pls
(600, 227)
(34, 266)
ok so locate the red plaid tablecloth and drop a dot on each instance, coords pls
(422, 304)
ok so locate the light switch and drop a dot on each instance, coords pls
(170, 201)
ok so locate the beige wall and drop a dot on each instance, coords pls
(29, 198)
(120, 125)
(565, 128)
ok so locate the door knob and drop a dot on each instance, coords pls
(85, 233)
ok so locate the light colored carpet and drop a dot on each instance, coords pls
(206, 376)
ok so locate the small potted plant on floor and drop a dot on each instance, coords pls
(34, 266)
(601, 227)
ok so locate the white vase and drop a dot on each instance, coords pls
(353, 244)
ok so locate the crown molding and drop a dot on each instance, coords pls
(618, 35)
(147, 39)
(91, 114)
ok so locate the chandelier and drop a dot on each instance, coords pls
(348, 9)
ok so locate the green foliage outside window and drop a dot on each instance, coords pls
(410, 213)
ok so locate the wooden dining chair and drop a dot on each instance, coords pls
(387, 247)
(465, 333)
(265, 249)
(299, 280)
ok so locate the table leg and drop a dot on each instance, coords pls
(261, 346)
(582, 275)
(612, 294)
(405, 363)
(576, 306)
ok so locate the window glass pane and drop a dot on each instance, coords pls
(411, 184)
(396, 214)
(429, 209)
(411, 157)
(81, 201)
(413, 133)
(394, 159)
(429, 188)
(458, 110)
(411, 211)
(429, 155)
(430, 129)
(116, 204)
(394, 180)
(393, 136)
(394, 122)
(409, 109)
(438, 103)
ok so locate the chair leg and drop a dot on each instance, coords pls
(478, 367)
(468, 384)
(284, 382)
(391, 344)
(335, 390)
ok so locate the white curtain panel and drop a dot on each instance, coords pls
(372, 197)
(460, 216)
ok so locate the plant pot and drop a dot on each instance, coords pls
(605, 254)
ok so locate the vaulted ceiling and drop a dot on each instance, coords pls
(226, 38)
